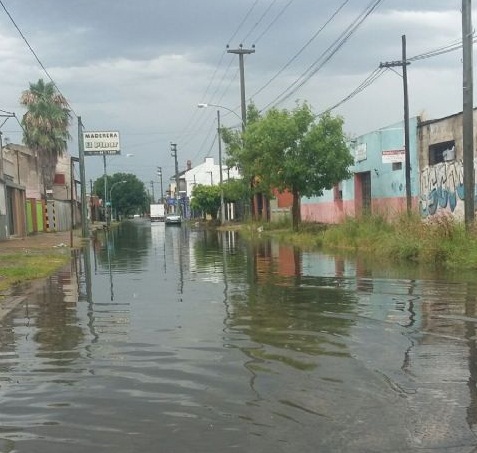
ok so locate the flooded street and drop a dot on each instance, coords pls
(170, 339)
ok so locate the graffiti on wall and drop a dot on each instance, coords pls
(442, 188)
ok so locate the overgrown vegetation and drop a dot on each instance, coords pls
(440, 242)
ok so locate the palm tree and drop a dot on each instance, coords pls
(45, 125)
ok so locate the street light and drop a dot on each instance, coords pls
(203, 106)
(111, 198)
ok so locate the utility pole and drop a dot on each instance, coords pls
(221, 179)
(105, 176)
(403, 63)
(241, 52)
(152, 191)
(159, 173)
(84, 208)
(174, 154)
(468, 114)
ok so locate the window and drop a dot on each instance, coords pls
(59, 179)
(397, 166)
(441, 152)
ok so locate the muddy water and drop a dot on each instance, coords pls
(169, 339)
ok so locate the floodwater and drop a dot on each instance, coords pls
(170, 339)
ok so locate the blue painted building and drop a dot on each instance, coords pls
(378, 184)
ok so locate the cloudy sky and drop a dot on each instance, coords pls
(141, 67)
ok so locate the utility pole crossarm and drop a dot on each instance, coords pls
(393, 64)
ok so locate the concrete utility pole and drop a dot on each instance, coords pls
(241, 52)
(159, 173)
(407, 164)
(468, 114)
(221, 179)
(174, 154)
(84, 208)
(152, 191)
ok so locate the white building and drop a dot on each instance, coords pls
(207, 174)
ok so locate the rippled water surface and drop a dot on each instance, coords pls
(170, 339)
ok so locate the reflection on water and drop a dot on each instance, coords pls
(175, 339)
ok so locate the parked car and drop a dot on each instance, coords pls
(173, 219)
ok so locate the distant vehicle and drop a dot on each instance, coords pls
(157, 213)
(173, 219)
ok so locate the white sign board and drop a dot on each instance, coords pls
(361, 152)
(393, 155)
(98, 143)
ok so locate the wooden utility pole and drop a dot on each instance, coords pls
(468, 114)
(407, 164)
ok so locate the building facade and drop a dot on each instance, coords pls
(441, 167)
(378, 183)
(26, 205)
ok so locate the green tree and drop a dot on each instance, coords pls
(206, 199)
(292, 151)
(45, 125)
(128, 198)
(235, 190)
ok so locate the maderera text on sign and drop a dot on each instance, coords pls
(101, 142)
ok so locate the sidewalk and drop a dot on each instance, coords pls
(41, 241)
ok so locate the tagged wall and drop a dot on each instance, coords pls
(441, 176)
(442, 189)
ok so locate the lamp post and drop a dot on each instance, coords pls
(201, 106)
(111, 197)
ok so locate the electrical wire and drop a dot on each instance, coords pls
(456, 45)
(193, 122)
(325, 56)
(243, 20)
(274, 20)
(315, 35)
(259, 20)
(37, 58)
(378, 72)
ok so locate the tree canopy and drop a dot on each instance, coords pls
(291, 150)
(206, 199)
(127, 198)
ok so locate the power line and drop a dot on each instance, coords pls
(36, 57)
(326, 55)
(378, 72)
(193, 118)
(302, 48)
(259, 20)
(456, 45)
(270, 25)
(243, 20)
